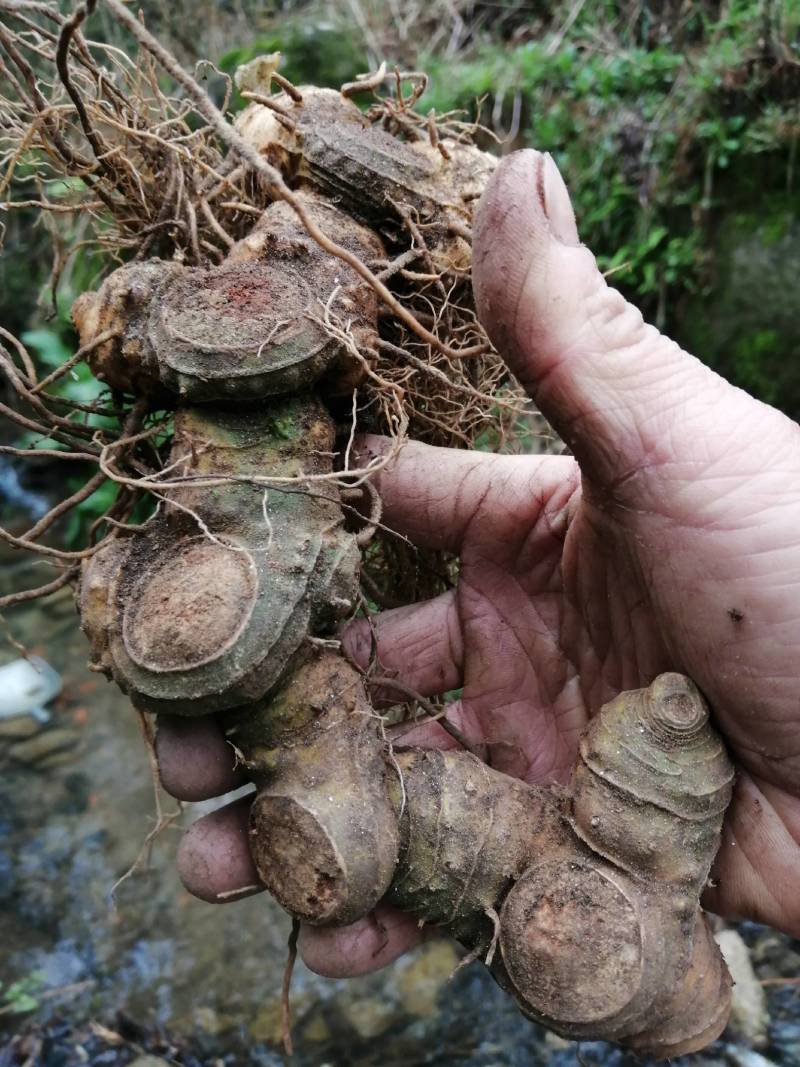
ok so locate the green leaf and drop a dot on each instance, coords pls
(47, 345)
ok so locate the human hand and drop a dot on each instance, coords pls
(670, 542)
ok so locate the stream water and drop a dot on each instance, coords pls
(205, 977)
(14, 495)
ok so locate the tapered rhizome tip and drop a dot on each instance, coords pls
(674, 709)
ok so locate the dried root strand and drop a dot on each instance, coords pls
(144, 173)
(163, 820)
(286, 1010)
(434, 713)
(68, 575)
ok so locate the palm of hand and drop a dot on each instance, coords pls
(561, 604)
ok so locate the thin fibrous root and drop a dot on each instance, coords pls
(286, 1011)
(162, 820)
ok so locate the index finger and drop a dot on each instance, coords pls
(433, 496)
(195, 760)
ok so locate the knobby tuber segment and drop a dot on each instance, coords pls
(585, 907)
(585, 903)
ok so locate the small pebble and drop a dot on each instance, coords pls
(44, 744)
(738, 1056)
(749, 1013)
(19, 728)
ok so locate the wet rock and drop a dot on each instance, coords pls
(749, 1014)
(27, 684)
(738, 1056)
(554, 1041)
(601, 1054)
(57, 759)
(422, 979)
(19, 728)
(43, 746)
(316, 1029)
(211, 1021)
(785, 1039)
(370, 1016)
(267, 1025)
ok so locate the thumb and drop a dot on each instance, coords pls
(614, 387)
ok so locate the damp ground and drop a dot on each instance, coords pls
(155, 976)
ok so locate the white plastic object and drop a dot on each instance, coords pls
(26, 685)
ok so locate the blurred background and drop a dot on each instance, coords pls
(676, 126)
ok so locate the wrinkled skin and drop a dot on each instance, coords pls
(670, 542)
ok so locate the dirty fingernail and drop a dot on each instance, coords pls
(356, 638)
(557, 205)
